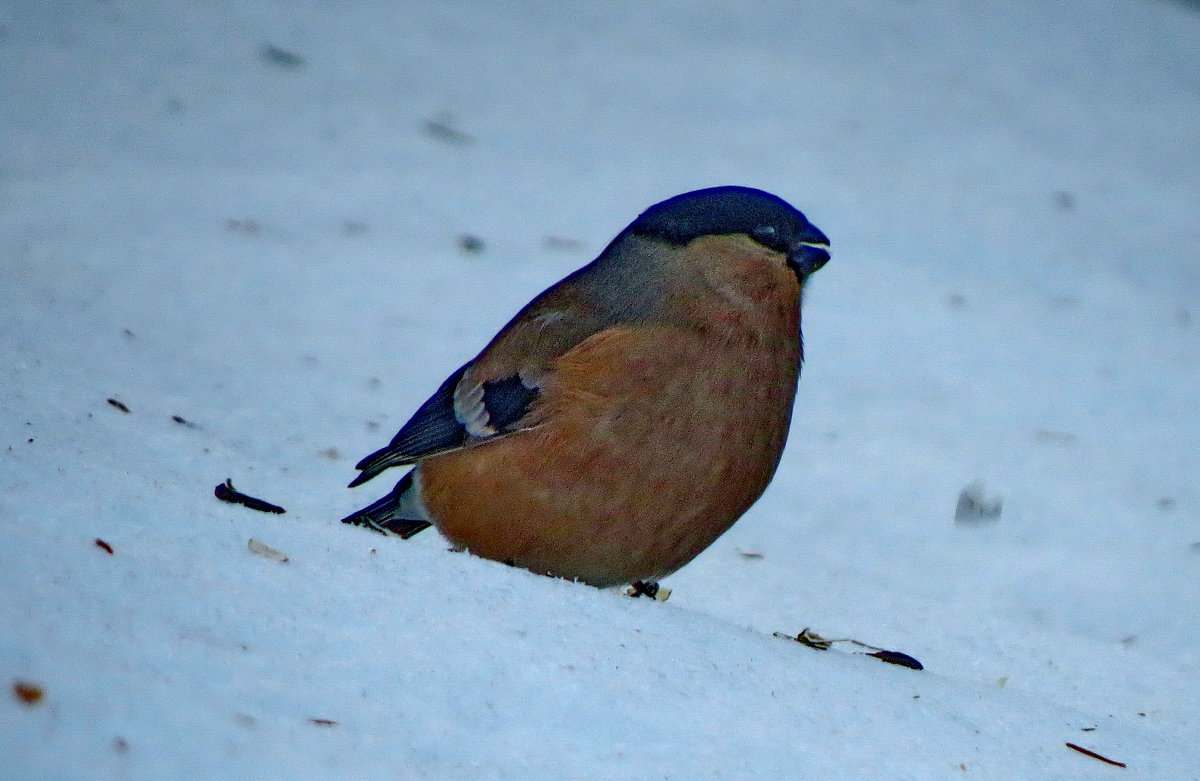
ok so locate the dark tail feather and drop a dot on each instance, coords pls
(375, 463)
(387, 515)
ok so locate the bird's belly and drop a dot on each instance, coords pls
(637, 467)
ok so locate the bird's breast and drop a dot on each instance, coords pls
(654, 441)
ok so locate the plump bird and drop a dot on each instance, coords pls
(629, 414)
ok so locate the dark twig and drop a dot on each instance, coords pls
(895, 657)
(815, 641)
(227, 493)
(1094, 755)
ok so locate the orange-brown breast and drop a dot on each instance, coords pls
(653, 440)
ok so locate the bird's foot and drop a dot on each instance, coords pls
(640, 588)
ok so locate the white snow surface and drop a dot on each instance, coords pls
(270, 249)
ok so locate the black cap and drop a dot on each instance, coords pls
(718, 211)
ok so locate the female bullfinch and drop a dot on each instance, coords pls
(629, 414)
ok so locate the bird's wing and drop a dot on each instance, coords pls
(497, 393)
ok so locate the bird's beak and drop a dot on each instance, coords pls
(805, 257)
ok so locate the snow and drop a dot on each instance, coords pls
(270, 251)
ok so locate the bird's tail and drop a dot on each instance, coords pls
(397, 513)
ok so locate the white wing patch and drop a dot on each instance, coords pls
(469, 409)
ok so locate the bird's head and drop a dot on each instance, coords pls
(738, 212)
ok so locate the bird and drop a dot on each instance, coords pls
(629, 414)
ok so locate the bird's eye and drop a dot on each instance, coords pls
(767, 236)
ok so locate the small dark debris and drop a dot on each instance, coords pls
(27, 692)
(324, 722)
(1064, 200)
(120, 745)
(104, 546)
(472, 245)
(332, 453)
(372, 425)
(1195, 546)
(1055, 437)
(353, 228)
(227, 493)
(809, 638)
(130, 335)
(118, 405)
(975, 507)
(1087, 729)
(813, 640)
(1094, 755)
(1166, 503)
(561, 242)
(895, 657)
(29, 441)
(245, 226)
(442, 130)
(956, 301)
(174, 106)
(281, 58)
(183, 421)
(750, 554)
